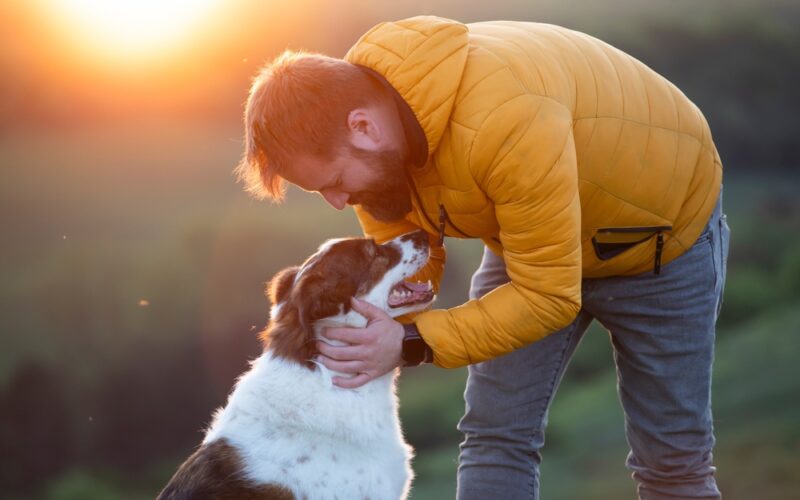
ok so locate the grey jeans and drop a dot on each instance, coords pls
(662, 332)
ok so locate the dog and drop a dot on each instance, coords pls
(287, 432)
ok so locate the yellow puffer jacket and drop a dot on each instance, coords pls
(563, 154)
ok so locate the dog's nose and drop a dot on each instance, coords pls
(418, 238)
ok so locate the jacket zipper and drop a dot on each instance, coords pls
(421, 206)
(444, 218)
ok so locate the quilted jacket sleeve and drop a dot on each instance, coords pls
(523, 158)
(383, 232)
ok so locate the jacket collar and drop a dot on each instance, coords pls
(421, 59)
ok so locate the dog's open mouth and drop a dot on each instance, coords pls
(407, 293)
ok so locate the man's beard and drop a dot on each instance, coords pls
(388, 199)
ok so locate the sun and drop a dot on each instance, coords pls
(134, 27)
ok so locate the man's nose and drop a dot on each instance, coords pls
(337, 199)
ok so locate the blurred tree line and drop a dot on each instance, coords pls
(743, 74)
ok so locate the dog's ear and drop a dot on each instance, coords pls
(281, 284)
(321, 297)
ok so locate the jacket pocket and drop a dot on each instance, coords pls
(608, 242)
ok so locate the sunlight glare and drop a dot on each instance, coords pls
(135, 26)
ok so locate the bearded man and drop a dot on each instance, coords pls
(595, 186)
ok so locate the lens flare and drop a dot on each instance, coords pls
(135, 27)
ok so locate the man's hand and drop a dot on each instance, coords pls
(373, 351)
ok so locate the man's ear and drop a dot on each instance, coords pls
(281, 284)
(365, 129)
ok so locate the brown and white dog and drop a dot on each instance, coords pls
(287, 431)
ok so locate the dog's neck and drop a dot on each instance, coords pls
(350, 320)
(270, 394)
(278, 393)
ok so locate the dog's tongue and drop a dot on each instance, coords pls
(416, 287)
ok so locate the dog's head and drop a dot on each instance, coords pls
(319, 291)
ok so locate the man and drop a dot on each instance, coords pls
(595, 186)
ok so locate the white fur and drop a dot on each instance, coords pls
(293, 427)
(275, 310)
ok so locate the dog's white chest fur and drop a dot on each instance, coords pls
(293, 427)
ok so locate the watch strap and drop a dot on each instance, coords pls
(415, 350)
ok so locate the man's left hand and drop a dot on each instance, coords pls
(373, 350)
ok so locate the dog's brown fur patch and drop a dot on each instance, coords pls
(214, 471)
(326, 283)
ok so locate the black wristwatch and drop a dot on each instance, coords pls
(415, 350)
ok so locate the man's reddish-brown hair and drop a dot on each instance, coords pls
(298, 103)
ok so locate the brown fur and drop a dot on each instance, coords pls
(327, 281)
(279, 286)
(214, 472)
